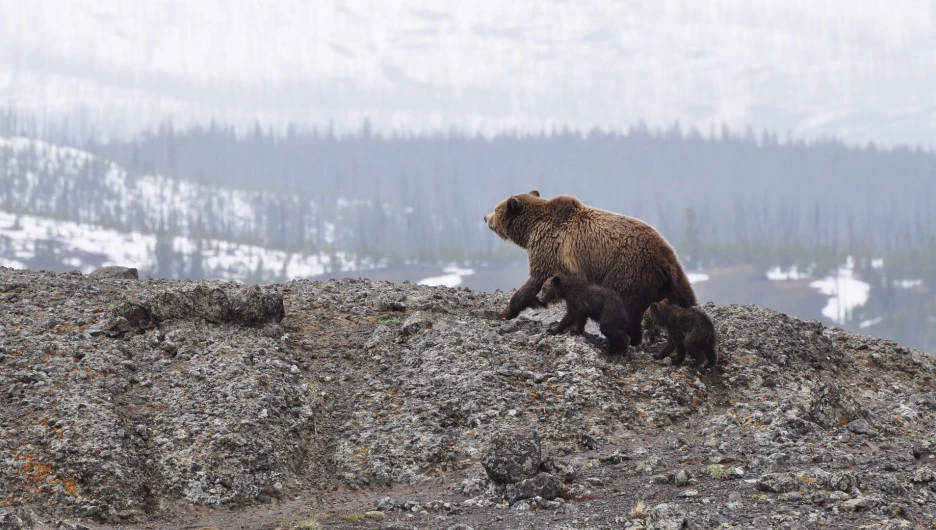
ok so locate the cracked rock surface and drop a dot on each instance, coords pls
(142, 403)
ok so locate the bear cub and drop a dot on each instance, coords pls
(690, 330)
(586, 300)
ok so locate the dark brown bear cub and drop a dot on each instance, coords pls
(690, 330)
(586, 300)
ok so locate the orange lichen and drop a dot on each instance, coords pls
(36, 472)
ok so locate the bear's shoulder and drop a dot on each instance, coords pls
(565, 202)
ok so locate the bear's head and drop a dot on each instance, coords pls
(509, 219)
(655, 315)
(549, 292)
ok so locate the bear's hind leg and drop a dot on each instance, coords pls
(701, 349)
(680, 352)
(711, 357)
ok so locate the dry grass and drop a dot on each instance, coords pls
(640, 511)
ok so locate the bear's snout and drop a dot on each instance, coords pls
(489, 221)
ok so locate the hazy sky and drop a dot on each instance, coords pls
(857, 70)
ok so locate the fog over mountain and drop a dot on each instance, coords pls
(858, 71)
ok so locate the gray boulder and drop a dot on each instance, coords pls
(542, 485)
(512, 455)
(667, 517)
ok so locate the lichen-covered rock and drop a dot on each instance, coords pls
(112, 271)
(415, 323)
(187, 408)
(249, 306)
(512, 455)
(542, 485)
(16, 520)
(830, 407)
(863, 503)
(667, 516)
(778, 482)
(231, 303)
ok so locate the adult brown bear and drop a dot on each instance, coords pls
(562, 235)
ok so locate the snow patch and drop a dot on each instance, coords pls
(908, 284)
(697, 277)
(793, 273)
(452, 278)
(845, 291)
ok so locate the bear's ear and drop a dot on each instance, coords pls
(534, 193)
(555, 281)
(664, 301)
(513, 205)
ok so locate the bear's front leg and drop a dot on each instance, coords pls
(524, 297)
(668, 348)
(563, 324)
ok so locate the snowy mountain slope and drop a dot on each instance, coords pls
(32, 242)
(855, 70)
(50, 180)
(63, 208)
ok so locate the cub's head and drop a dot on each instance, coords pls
(507, 218)
(549, 292)
(654, 316)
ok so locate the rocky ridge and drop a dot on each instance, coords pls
(127, 401)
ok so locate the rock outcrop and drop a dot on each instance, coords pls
(120, 400)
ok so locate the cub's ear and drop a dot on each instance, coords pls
(664, 301)
(534, 193)
(513, 205)
(555, 281)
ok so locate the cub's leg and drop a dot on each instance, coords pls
(563, 324)
(680, 351)
(667, 350)
(618, 340)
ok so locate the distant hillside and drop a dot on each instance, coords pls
(62, 208)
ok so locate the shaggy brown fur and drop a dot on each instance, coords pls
(690, 330)
(562, 235)
(586, 300)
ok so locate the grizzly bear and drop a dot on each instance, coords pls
(586, 300)
(690, 330)
(562, 235)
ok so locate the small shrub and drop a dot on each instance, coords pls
(717, 472)
(640, 511)
(308, 523)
